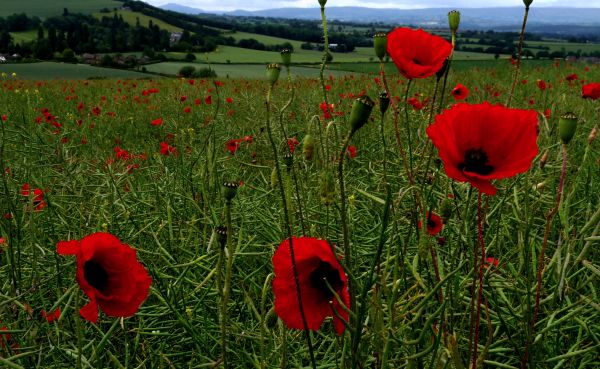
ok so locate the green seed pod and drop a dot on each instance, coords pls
(380, 44)
(230, 189)
(308, 147)
(567, 123)
(221, 232)
(286, 57)
(384, 102)
(288, 159)
(322, 3)
(453, 20)
(274, 178)
(361, 110)
(273, 73)
(327, 188)
(527, 3)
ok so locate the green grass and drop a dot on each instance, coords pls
(131, 18)
(250, 71)
(48, 8)
(52, 70)
(567, 46)
(25, 36)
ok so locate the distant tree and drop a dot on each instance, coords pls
(187, 71)
(189, 57)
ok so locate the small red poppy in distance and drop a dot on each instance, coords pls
(416, 53)
(571, 77)
(460, 92)
(591, 91)
(541, 84)
(109, 273)
(315, 263)
(478, 143)
(38, 196)
(434, 224)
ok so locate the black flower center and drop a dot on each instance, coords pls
(417, 61)
(95, 275)
(325, 272)
(476, 162)
(431, 223)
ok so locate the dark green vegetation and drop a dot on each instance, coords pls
(48, 8)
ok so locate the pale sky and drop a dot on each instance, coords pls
(227, 5)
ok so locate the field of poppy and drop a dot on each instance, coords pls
(429, 217)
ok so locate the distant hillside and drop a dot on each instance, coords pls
(181, 8)
(48, 8)
(540, 19)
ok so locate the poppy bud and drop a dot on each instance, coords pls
(326, 188)
(527, 3)
(273, 73)
(286, 57)
(544, 159)
(221, 232)
(230, 189)
(380, 44)
(308, 147)
(361, 110)
(567, 123)
(288, 159)
(384, 102)
(274, 178)
(453, 20)
(592, 135)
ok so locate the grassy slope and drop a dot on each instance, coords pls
(45, 8)
(51, 70)
(130, 17)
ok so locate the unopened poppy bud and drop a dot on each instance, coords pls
(273, 73)
(567, 123)
(380, 44)
(539, 186)
(384, 102)
(308, 147)
(592, 135)
(527, 3)
(230, 189)
(221, 232)
(288, 159)
(361, 110)
(326, 188)
(453, 20)
(286, 57)
(440, 73)
(544, 159)
(274, 178)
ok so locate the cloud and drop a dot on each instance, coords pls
(228, 5)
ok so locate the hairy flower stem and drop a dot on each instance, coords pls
(345, 233)
(288, 228)
(407, 125)
(481, 243)
(227, 287)
(540, 264)
(326, 56)
(518, 62)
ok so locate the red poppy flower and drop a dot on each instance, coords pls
(541, 84)
(416, 53)
(208, 100)
(434, 224)
(229, 100)
(460, 92)
(591, 91)
(478, 143)
(4, 117)
(315, 263)
(571, 77)
(491, 262)
(166, 149)
(51, 316)
(109, 273)
(157, 122)
(232, 146)
(38, 196)
(351, 152)
(292, 143)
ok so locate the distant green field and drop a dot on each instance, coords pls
(130, 17)
(51, 70)
(25, 36)
(46, 8)
(567, 46)
(251, 71)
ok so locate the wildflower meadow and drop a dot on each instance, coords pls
(426, 218)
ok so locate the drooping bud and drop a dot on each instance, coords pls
(384, 102)
(361, 110)
(544, 159)
(380, 44)
(453, 20)
(286, 57)
(221, 232)
(440, 73)
(308, 147)
(527, 3)
(230, 189)
(327, 188)
(592, 135)
(567, 123)
(273, 73)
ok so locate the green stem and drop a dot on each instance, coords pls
(518, 64)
